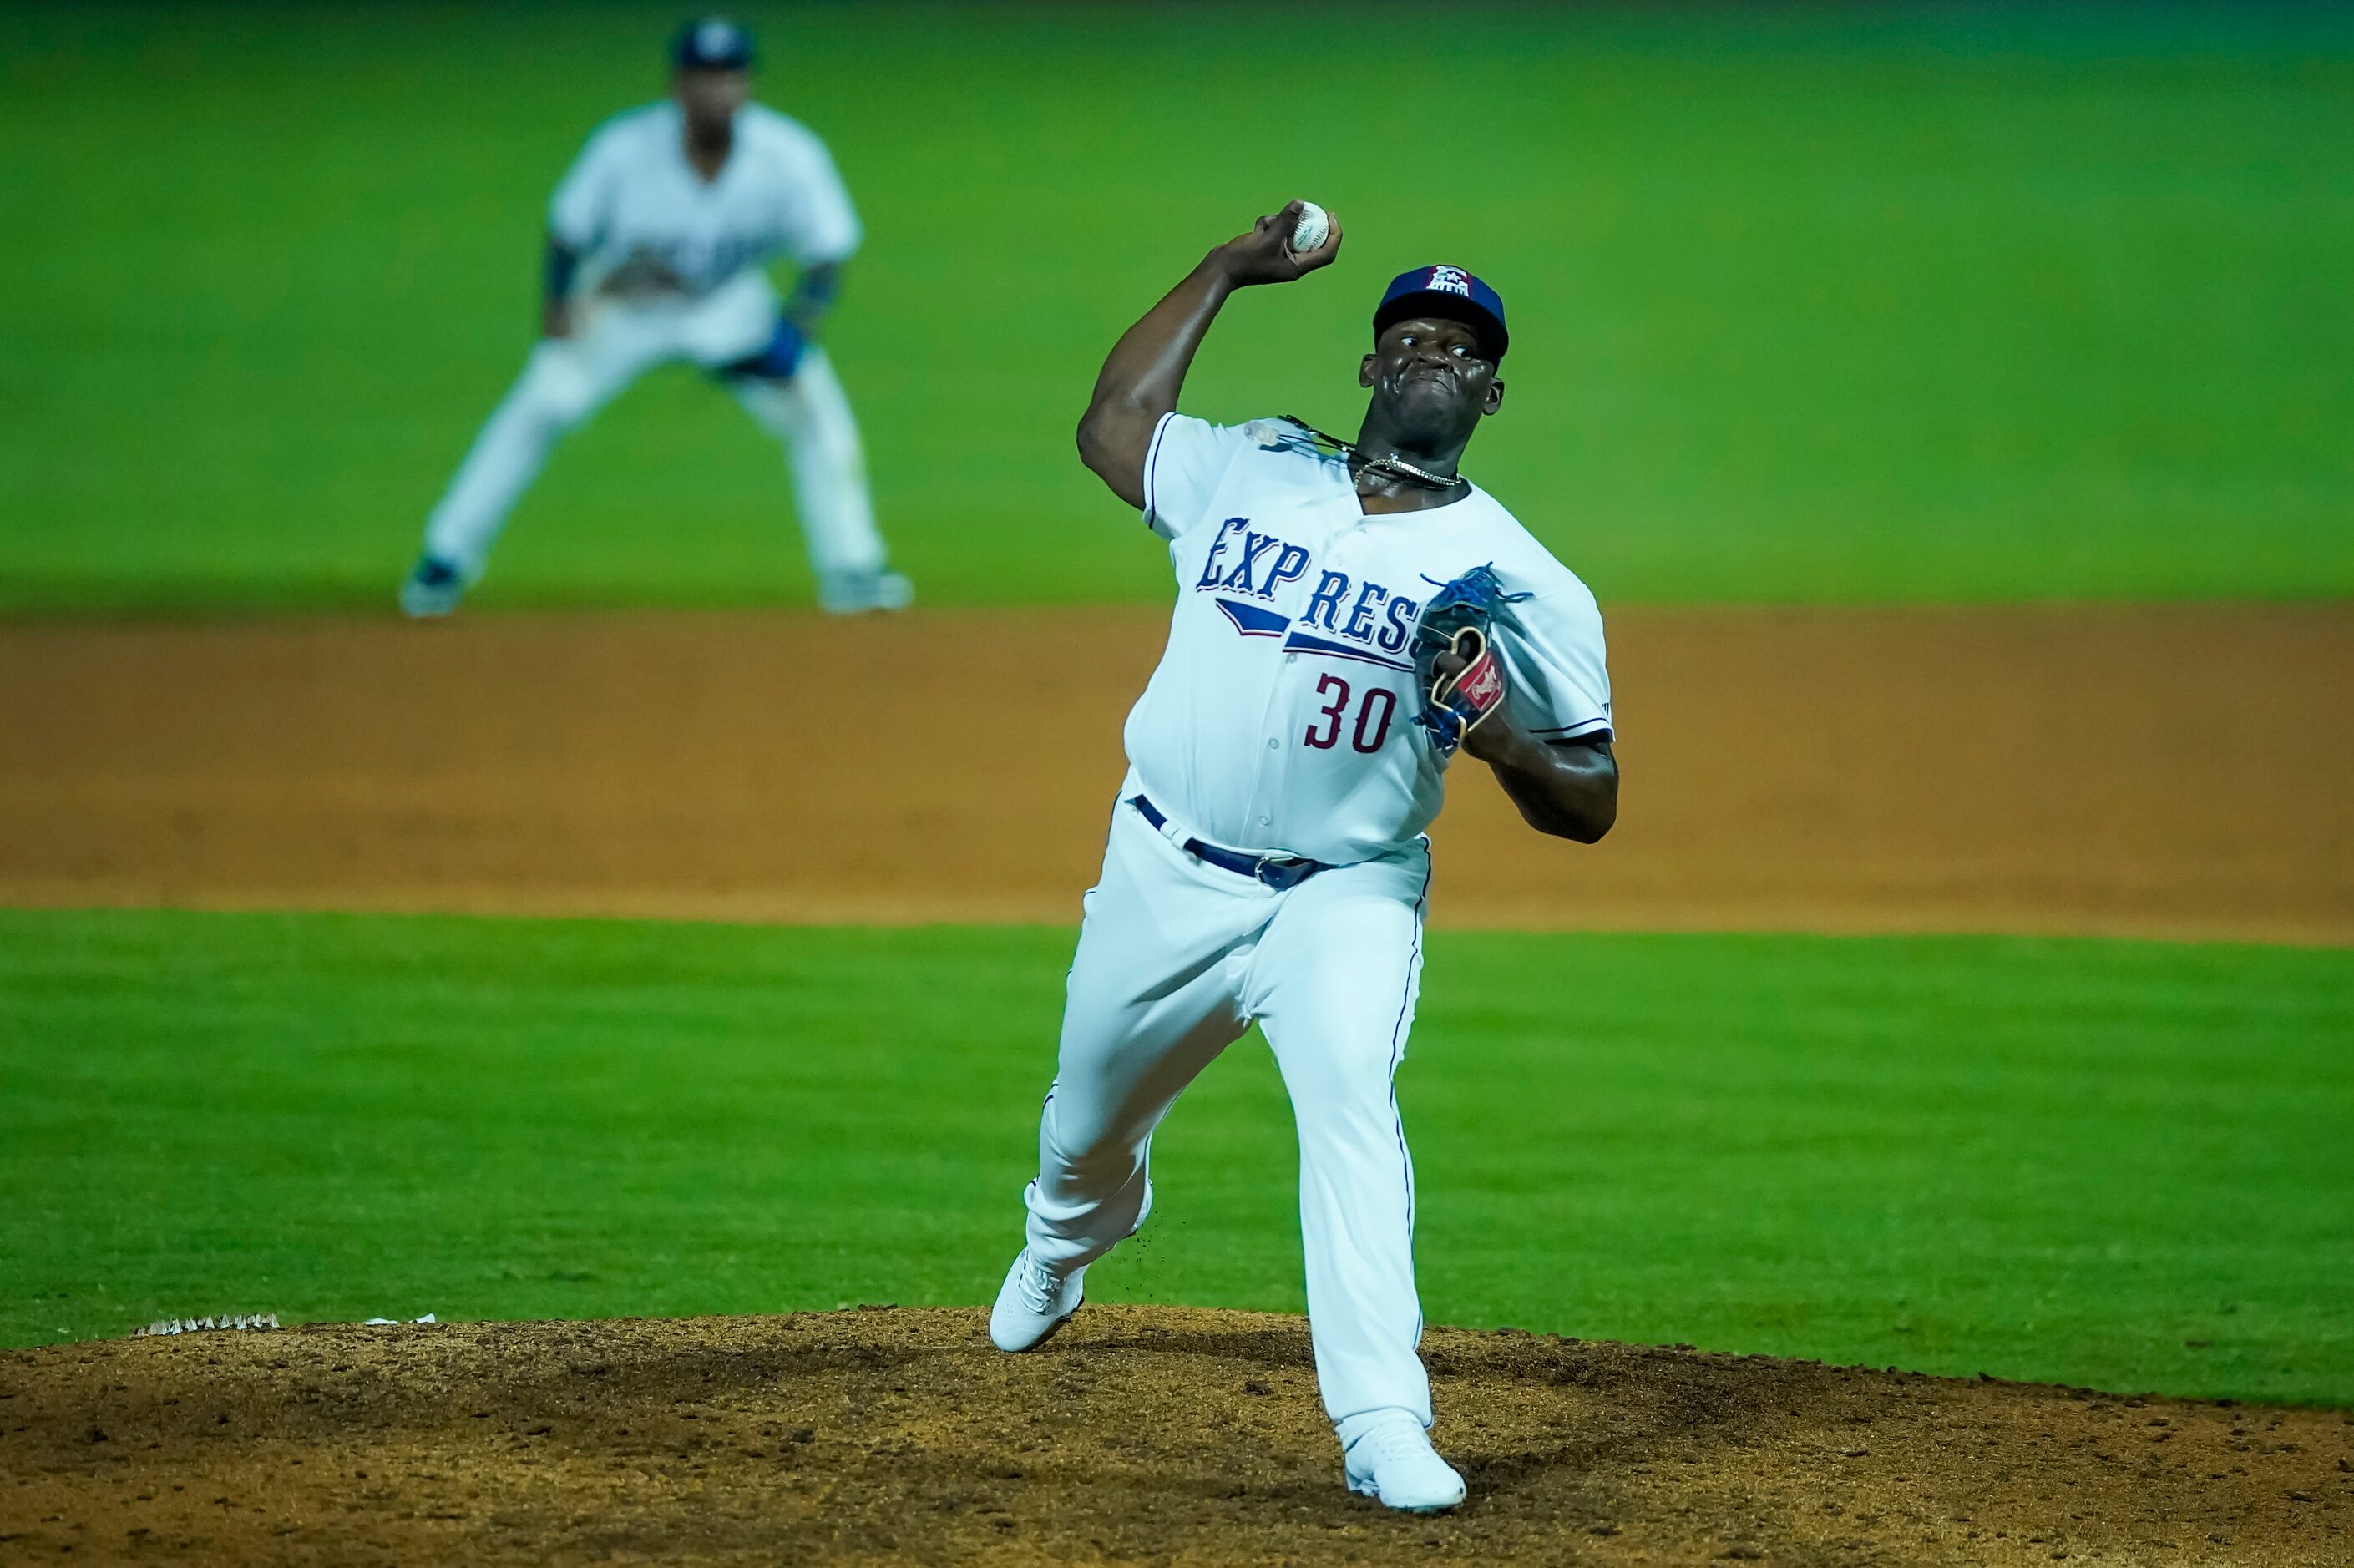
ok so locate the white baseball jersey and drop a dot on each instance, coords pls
(644, 221)
(1280, 718)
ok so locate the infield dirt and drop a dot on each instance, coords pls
(2163, 770)
(1140, 1434)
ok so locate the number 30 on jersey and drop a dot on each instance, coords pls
(1371, 726)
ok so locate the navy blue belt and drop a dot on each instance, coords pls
(1280, 872)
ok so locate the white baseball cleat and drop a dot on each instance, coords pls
(854, 593)
(1033, 1303)
(433, 589)
(1390, 1458)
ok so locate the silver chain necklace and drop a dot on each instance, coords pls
(1393, 467)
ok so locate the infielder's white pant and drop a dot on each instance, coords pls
(568, 379)
(1175, 959)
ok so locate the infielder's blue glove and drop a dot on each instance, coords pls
(1460, 618)
(779, 359)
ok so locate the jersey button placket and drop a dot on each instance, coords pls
(1267, 775)
(1269, 785)
(1287, 695)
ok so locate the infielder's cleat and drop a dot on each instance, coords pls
(1391, 1461)
(1033, 1303)
(854, 593)
(433, 589)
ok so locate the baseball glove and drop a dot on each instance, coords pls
(1461, 617)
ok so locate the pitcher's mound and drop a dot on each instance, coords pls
(1140, 1434)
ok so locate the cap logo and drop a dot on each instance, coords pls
(714, 40)
(1449, 281)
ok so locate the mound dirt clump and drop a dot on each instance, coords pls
(1140, 1434)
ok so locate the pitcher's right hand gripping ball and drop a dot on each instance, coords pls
(1268, 253)
(1462, 619)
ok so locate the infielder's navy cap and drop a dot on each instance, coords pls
(1448, 294)
(713, 43)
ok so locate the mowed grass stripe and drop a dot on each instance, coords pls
(1821, 305)
(2113, 1165)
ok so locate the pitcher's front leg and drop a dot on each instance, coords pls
(1339, 972)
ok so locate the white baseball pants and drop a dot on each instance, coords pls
(565, 380)
(1175, 960)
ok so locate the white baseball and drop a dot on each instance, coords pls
(1313, 229)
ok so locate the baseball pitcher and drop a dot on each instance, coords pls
(1352, 619)
(656, 243)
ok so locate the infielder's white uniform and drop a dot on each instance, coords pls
(671, 269)
(1279, 721)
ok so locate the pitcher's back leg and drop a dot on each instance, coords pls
(1151, 1002)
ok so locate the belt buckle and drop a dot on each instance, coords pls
(1282, 879)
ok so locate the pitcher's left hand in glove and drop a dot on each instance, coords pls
(1458, 669)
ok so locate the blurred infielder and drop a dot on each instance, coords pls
(656, 243)
(1348, 615)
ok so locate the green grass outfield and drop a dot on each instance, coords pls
(1814, 305)
(2113, 1165)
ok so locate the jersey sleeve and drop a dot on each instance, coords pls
(583, 205)
(824, 226)
(1558, 668)
(1182, 467)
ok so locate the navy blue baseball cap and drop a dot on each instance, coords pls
(712, 43)
(1448, 294)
